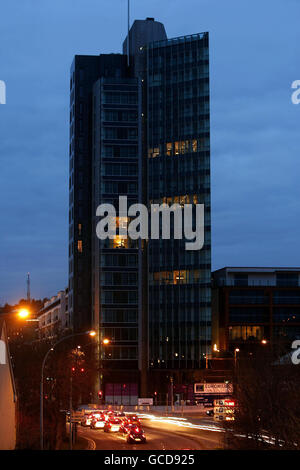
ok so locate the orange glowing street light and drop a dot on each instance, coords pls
(23, 313)
(106, 341)
(92, 333)
(264, 341)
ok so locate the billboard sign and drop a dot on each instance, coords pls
(145, 401)
(213, 388)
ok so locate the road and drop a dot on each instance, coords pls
(162, 434)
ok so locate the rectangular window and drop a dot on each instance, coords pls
(287, 279)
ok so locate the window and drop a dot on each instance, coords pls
(119, 316)
(286, 314)
(286, 297)
(246, 333)
(79, 246)
(249, 314)
(287, 279)
(241, 280)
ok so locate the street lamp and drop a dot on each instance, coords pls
(103, 342)
(91, 333)
(23, 313)
(235, 353)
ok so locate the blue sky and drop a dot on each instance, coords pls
(255, 132)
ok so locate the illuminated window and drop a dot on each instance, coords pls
(176, 148)
(79, 246)
(184, 200)
(118, 242)
(194, 145)
(179, 277)
(155, 152)
(122, 222)
(79, 229)
(169, 146)
(246, 333)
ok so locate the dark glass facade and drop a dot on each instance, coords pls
(115, 262)
(178, 163)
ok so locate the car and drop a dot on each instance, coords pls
(125, 427)
(133, 419)
(210, 412)
(98, 423)
(86, 420)
(135, 434)
(112, 425)
(120, 414)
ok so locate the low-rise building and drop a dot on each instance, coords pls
(253, 306)
(54, 316)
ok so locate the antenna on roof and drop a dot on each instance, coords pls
(28, 287)
(128, 23)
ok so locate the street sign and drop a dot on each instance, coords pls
(220, 388)
(145, 401)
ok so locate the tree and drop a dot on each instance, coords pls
(268, 407)
(27, 360)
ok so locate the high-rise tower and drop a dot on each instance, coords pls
(141, 130)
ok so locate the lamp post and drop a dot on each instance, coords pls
(104, 342)
(210, 356)
(172, 393)
(235, 353)
(91, 333)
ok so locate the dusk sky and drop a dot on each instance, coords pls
(255, 131)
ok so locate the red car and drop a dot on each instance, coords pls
(112, 425)
(135, 434)
(133, 419)
(98, 423)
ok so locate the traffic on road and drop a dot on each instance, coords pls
(109, 429)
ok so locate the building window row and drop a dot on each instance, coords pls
(119, 297)
(119, 315)
(114, 169)
(120, 97)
